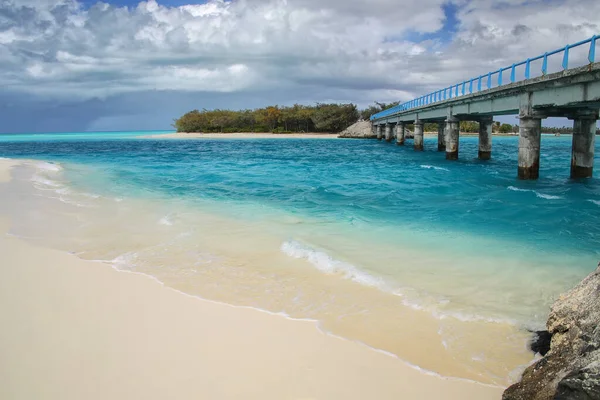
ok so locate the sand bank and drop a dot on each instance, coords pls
(74, 329)
(242, 135)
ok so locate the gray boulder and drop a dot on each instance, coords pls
(359, 130)
(364, 130)
(571, 368)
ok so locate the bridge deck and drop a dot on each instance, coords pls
(558, 94)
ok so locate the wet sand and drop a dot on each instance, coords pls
(76, 329)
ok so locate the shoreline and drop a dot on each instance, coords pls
(132, 325)
(241, 135)
(250, 135)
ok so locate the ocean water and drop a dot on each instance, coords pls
(378, 243)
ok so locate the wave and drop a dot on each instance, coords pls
(325, 263)
(547, 196)
(43, 175)
(538, 194)
(434, 167)
(48, 167)
(45, 182)
(434, 306)
(596, 202)
(46, 178)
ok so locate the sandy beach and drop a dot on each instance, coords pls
(242, 135)
(75, 329)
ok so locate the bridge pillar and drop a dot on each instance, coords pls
(441, 136)
(582, 152)
(418, 135)
(379, 132)
(485, 138)
(388, 132)
(452, 137)
(400, 133)
(530, 136)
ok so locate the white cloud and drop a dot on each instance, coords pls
(359, 50)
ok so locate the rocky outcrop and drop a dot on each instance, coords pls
(571, 368)
(363, 130)
(359, 130)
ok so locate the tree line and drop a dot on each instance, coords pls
(321, 117)
(564, 129)
(297, 118)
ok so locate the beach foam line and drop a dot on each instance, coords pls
(48, 166)
(327, 264)
(538, 194)
(166, 220)
(43, 180)
(442, 315)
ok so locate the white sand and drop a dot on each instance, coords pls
(183, 135)
(74, 329)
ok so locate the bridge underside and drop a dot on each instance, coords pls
(574, 94)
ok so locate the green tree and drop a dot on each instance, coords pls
(506, 128)
(469, 126)
(334, 117)
(321, 117)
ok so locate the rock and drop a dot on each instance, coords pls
(570, 370)
(364, 130)
(540, 343)
(360, 130)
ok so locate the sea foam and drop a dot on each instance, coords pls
(434, 167)
(421, 302)
(48, 167)
(165, 221)
(538, 194)
(325, 263)
(46, 178)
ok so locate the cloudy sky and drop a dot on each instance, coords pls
(68, 65)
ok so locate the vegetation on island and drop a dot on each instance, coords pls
(276, 119)
(321, 117)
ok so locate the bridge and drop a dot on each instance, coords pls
(573, 93)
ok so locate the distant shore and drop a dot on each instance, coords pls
(267, 135)
(241, 135)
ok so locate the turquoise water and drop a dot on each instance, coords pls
(69, 136)
(352, 182)
(461, 239)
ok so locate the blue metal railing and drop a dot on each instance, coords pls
(467, 87)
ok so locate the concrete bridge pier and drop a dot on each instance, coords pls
(584, 137)
(379, 133)
(441, 136)
(400, 133)
(530, 135)
(452, 137)
(388, 132)
(418, 135)
(485, 138)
